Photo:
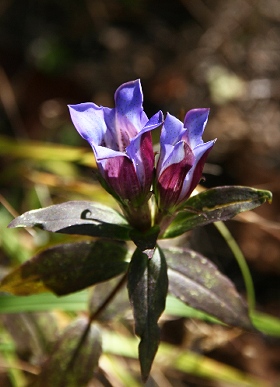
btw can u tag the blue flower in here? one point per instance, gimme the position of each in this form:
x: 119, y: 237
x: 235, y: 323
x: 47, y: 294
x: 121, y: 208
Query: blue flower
x: 182, y: 157
x: 122, y: 143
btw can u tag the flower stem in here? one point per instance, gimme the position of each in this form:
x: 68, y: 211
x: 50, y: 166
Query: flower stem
x: 138, y: 217
x: 107, y: 300
x: 163, y: 219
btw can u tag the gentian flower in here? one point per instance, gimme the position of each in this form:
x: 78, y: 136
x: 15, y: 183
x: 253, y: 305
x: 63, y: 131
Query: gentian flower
x: 122, y: 143
x: 182, y: 157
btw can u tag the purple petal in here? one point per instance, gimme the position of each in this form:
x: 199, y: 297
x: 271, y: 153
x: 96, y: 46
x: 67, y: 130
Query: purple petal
x: 120, y: 174
x: 110, y: 139
x: 124, y: 132
x: 200, y: 149
x: 195, y: 122
x: 88, y: 119
x: 172, y: 177
x: 102, y: 153
x: 141, y: 152
x: 154, y: 122
x: 171, y: 130
x: 129, y: 104
x: 174, y: 155
x: 192, y: 179
x: 165, y: 152
x: 170, y: 134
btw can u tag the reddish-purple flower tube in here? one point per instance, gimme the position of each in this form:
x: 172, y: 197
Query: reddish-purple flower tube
x: 182, y: 157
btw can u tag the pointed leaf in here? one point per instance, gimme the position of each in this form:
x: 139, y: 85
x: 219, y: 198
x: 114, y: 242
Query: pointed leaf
x: 60, y: 370
x: 147, y: 289
x: 221, y: 203
x: 67, y: 268
x: 77, y: 217
x: 197, y: 282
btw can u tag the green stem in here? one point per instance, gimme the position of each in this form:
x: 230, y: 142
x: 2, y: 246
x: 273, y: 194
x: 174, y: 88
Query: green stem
x: 138, y: 217
x: 224, y: 231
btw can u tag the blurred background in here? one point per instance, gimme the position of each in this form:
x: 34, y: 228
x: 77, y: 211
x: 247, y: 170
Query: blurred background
x: 222, y: 54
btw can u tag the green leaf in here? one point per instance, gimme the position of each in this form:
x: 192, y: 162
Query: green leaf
x: 67, y: 268
x: 60, y: 369
x: 78, y: 302
x: 77, y: 217
x: 197, y: 282
x: 265, y: 323
x: 175, y: 307
x: 147, y: 289
x: 43, y: 302
x: 221, y: 203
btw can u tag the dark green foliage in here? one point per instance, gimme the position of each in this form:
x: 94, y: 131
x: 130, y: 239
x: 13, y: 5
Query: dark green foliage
x: 67, y: 268
x: 147, y: 289
x: 215, y: 204
x: 197, y: 282
x: 77, y: 217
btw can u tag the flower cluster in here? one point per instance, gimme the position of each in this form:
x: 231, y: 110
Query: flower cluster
x: 122, y: 143
x: 153, y: 191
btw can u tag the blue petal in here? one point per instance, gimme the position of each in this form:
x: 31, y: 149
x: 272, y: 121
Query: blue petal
x: 102, y: 152
x: 143, y: 158
x: 193, y: 176
x: 170, y: 135
x: 134, y: 150
x: 110, y: 139
x: 119, y: 130
x: 171, y: 130
x: 202, y: 148
x: 174, y: 155
x: 129, y: 104
x: 165, y: 151
x: 171, y: 177
x: 125, y: 131
x: 154, y: 122
x: 88, y: 119
x: 195, y: 122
